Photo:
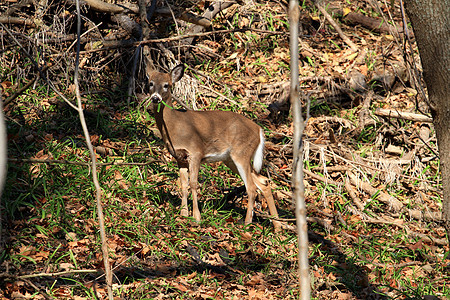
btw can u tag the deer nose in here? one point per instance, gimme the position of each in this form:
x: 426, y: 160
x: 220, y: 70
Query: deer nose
x: 156, y: 98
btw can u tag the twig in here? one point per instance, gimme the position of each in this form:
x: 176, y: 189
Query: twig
x: 211, y: 11
x: 336, y: 26
x: 201, y: 34
x: 57, y: 274
x: 18, y: 92
x: 80, y: 163
x: 397, y: 266
x: 317, y: 177
x: 39, y: 290
x: 131, y: 43
x: 412, y: 234
x: 17, y: 21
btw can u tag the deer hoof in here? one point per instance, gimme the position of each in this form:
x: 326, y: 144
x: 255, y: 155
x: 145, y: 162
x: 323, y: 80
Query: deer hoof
x: 197, y: 216
x: 184, y: 212
x: 277, y: 227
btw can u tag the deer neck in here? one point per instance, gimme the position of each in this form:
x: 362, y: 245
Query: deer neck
x: 161, y: 113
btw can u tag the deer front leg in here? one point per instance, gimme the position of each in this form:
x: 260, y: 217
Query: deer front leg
x: 194, y: 166
x: 184, y: 184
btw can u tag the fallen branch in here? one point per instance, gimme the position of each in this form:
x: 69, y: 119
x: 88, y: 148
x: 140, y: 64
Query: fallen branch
x: 411, y: 234
x: 185, y: 16
x: 39, y: 290
x: 212, y: 10
x: 364, y: 116
x: 101, y: 6
x: 17, y: 21
x: 336, y: 26
x: 403, y: 115
x: 347, y: 157
x: 317, y: 177
x: 374, y: 24
x: 383, y: 197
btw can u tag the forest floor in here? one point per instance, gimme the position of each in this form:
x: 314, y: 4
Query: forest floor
x: 371, y: 169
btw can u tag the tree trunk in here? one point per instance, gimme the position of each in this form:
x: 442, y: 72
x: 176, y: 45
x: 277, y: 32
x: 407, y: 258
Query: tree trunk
x: 431, y: 24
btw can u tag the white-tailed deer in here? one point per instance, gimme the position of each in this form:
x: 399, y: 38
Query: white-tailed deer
x: 196, y: 137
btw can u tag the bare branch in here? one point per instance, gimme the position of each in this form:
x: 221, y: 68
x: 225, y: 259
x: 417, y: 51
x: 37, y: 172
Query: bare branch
x: 336, y: 26
x: 80, y: 163
x: 101, y: 220
x: 297, y: 168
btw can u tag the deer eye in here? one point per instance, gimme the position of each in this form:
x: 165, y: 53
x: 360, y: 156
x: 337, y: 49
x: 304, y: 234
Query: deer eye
x: 151, y: 84
x: 166, y: 86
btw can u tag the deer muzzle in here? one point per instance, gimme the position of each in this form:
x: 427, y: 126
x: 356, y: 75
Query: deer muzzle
x: 156, y: 98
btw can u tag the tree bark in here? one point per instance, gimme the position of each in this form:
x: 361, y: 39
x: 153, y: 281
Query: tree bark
x: 431, y: 25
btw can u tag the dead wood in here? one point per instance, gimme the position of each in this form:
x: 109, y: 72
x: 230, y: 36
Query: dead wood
x: 353, y: 195
x: 323, y: 179
x: 383, y: 197
x: 336, y: 26
x: 326, y: 119
x: 412, y: 234
x: 365, y: 118
x: 348, y: 157
x: 101, y: 6
x: 212, y: 10
x: 16, y: 7
x: 185, y: 16
x: 332, y: 90
x: 123, y: 8
x: 425, y: 215
x: 17, y: 21
x: 128, y: 24
x: 373, y: 24
x: 403, y: 115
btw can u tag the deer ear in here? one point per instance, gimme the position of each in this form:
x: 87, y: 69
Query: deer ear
x: 177, y: 73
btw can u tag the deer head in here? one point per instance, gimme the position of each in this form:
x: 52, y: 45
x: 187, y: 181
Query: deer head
x: 160, y: 84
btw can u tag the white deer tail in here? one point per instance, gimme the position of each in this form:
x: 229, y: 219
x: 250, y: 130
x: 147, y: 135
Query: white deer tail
x: 258, y: 156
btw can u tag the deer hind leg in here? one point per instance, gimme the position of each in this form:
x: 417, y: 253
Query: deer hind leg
x: 245, y: 171
x: 264, y: 186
